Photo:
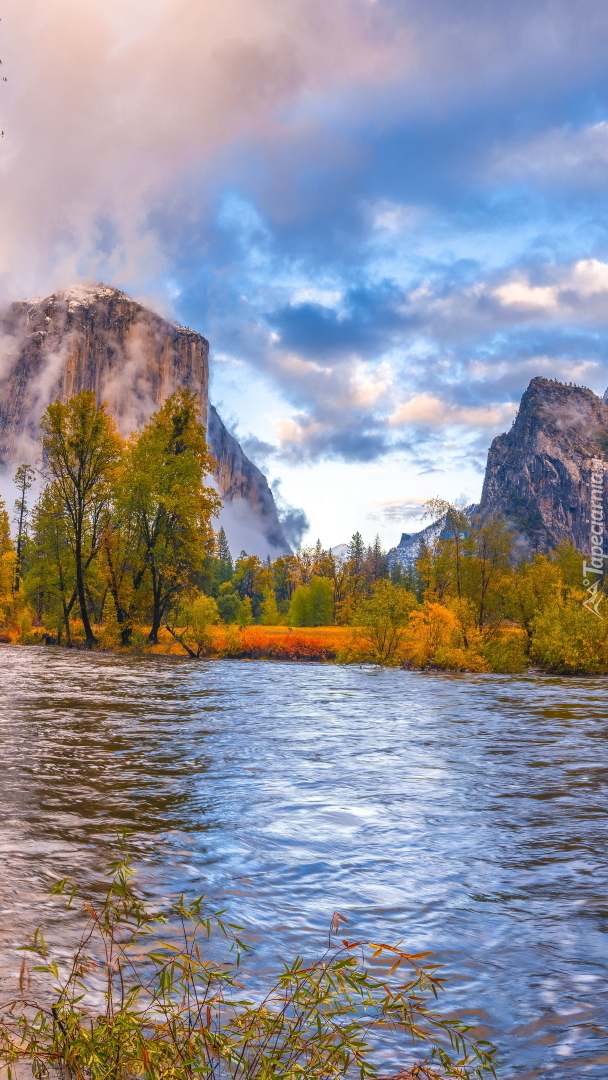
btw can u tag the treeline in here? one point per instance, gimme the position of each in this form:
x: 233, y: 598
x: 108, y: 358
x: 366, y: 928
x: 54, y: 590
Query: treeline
x: 120, y: 543
x: 121, y: 529
x: 468, y: 602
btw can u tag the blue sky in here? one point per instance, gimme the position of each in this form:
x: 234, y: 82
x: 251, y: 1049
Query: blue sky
x: 386, y: 217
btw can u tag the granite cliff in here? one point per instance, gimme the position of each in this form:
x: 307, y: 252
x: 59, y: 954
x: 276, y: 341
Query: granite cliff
x: 538, y: 473
x: 97, y: 338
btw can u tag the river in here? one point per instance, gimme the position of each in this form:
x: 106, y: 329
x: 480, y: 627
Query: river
x: 465, y: 814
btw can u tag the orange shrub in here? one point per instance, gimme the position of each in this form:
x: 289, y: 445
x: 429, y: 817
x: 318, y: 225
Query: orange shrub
x: 276, y: 642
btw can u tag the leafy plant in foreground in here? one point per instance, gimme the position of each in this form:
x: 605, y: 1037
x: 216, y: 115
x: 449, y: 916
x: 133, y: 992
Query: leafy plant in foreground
x: 130, y: 1005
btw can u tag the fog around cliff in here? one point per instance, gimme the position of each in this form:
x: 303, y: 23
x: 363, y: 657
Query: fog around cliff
x: 386, y: 216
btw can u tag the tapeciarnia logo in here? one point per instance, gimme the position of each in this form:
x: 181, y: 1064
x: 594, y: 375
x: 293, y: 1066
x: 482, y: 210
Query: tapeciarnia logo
x: 595, y: 566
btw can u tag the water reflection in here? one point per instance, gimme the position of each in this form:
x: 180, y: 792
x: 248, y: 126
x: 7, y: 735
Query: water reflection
x: 464, y: 813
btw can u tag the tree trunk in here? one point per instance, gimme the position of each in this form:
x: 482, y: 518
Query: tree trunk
x: 156, y: 616
x: 90, y: 638
x: 66, y: 620
x: 195, y: 656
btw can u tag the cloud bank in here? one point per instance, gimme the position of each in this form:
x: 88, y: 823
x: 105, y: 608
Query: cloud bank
x: 391, y: 215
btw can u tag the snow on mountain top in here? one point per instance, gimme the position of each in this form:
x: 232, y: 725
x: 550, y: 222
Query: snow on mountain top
x: 78, y: 295
x: 83, y: 294
x: 339, y: 551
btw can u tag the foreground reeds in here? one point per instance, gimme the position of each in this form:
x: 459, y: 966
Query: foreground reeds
x: 129, y: 1004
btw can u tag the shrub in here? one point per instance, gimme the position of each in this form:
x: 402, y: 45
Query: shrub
x: 506, y: 654
x: 382, y: 619
x: 430, y: 627
x: 195, y: 618
x: 569, y: 640
x: 255, y: 644
x: 172, y: 1010
x: 455, y: 658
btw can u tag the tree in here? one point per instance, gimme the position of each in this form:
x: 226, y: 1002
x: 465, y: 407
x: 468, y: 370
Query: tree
x: 313, y: 604
x: 50, y: 581
x: 7, y: 565
x: 568, y: 639
x: 350, y: 580
x: 269, y: 612
x: 169, y: 505
x: 355, y: 553
x: 530, y: 590
x: 223, y: 550
x: 229, y: 603
x: 225, y: 568
x: 81, y: 451
x: 485, y: 569
x: 376, y: 562
x: 195, y: 618
x: 454, y: 544
x: 383, y: 618
x: 23, y: 480
x: 252, y: 580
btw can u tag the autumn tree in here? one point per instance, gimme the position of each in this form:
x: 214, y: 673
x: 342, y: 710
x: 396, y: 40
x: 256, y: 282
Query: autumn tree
x: 168, y: 505
x: 383, y: 618
x: 194, y: 618
x: 485, y: 569
x: 252, y: 581
x: 452, y: 546
x: 7, y: 564
x: 269, y: 611
x: 81, y: 452
x: 532, y: 588
x: 50, y: 583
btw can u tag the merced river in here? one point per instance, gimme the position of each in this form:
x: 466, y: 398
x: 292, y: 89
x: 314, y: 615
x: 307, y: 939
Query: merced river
x: 464, y: 814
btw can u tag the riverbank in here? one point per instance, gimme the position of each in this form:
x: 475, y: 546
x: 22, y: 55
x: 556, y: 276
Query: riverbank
x: 321, y: 644
x: 434, y: 639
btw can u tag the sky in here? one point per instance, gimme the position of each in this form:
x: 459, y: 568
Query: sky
x: 386, y: 217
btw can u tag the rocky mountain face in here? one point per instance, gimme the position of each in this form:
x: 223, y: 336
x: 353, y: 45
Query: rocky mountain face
x: 538, y: 474
x: 96, y: 338
x: 408, y: 549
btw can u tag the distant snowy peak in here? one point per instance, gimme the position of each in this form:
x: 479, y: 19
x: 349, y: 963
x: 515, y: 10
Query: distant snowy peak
x: 408, y: 549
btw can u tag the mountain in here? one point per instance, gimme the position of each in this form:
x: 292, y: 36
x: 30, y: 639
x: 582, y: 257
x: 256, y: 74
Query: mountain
x: 538, y: 474
x: 408, y: 549
x: 97, y: 338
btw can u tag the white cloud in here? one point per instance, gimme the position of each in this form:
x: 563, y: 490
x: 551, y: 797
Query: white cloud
x: 574, y: 295
x: 520, y: 293
x: 426, y: 410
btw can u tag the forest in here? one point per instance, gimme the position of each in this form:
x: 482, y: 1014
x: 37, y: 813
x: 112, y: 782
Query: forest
x: 119, y: 550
